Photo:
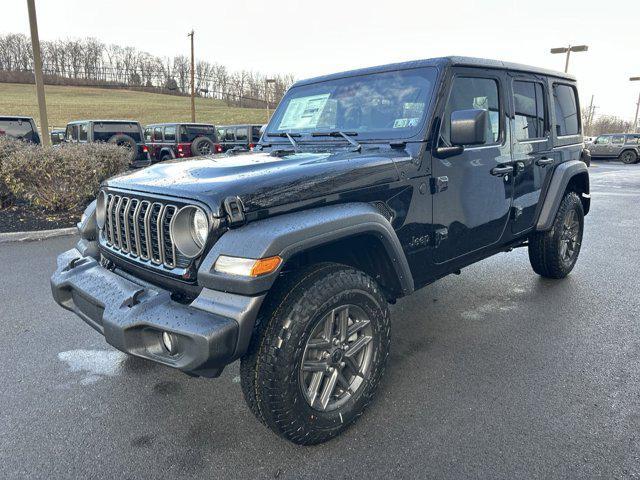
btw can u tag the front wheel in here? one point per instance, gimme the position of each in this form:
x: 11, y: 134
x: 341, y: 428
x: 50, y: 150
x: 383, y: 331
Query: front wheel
x: 319, y: 356
x: 554, y: 253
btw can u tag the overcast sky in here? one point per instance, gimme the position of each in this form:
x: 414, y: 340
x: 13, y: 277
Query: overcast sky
x: 309, y: 38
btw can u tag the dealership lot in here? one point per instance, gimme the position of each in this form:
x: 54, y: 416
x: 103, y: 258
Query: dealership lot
x: 495, y: 373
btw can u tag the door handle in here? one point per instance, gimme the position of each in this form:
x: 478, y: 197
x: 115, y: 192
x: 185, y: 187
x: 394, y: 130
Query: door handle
x: 544, y: 161
x: 501, y: 171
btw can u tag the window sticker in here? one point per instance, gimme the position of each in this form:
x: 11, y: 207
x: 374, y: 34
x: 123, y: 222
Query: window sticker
x: 304, y: 112
x: 406, y: 122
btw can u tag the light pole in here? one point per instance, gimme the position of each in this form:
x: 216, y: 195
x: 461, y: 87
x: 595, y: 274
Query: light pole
x: 37, y: 69
x: 568, y: 50
x: 193, y: 81
x: 267, y: 81
x: 635, y: 121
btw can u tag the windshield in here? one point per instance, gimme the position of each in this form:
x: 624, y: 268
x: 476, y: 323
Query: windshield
x: 17, y: 128
x: 378, y: 105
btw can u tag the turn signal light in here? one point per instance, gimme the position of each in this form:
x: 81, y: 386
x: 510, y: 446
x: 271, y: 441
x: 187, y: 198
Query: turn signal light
x: 247, y: 267
x: 265, y: 266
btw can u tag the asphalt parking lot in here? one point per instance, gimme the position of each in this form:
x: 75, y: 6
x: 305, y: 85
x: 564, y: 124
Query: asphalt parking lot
x: 495, y: 373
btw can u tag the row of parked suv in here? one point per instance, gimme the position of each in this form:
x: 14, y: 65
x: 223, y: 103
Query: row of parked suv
x: 157, y: 142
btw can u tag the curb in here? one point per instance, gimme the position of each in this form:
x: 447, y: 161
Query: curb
x: 37, y: 235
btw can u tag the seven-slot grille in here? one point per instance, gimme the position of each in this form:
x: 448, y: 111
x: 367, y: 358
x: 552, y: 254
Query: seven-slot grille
x: 140, y: 229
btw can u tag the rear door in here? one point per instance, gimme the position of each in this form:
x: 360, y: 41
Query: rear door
x: 473, y: 211
x: 616, y: 146
x: 533, y: 155
x: 600, y: 146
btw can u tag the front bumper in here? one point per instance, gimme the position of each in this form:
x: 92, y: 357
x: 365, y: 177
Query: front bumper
x: 211, y: 332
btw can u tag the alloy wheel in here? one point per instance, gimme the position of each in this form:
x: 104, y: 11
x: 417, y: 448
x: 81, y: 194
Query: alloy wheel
x: 337, y: 358
x: 570, y: 237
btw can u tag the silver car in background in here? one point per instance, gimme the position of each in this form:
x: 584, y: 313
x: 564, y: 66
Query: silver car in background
x: 623, y: 146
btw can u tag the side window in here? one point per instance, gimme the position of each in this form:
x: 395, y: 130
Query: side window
x: 242, y: 134
x: 72, y: 132
x: 84, y: 132
x: 633, y: 139
x: 255, y: 134
x: 148, y: 133
x: 170, y: 134
x: 528, y: 98
x: 157, y: 134
x: 566, y: 110
x: 230, y: 135
x: 602, y: 140
x: 469, y: 93
x: 617, y: 139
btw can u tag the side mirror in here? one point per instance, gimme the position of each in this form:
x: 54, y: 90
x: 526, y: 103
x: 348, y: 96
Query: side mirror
x: 468, y: 127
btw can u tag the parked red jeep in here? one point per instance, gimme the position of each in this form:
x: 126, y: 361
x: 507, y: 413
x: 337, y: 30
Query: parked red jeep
x: 181, y: 140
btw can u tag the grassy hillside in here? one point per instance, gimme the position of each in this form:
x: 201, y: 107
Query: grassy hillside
x: 75, y: 103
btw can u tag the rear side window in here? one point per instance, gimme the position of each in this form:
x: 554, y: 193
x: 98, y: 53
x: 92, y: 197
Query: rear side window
x: 242, y: 134
x: 617, y: 139
x: 470, y: 93
x: 103, y: 131
x: 230, y: 135
x: 633, y: 139
x: 529, y: 110
x: 157, y: 134
x: 566, y: 110
x: 84, y: 132
x: 170, y: 134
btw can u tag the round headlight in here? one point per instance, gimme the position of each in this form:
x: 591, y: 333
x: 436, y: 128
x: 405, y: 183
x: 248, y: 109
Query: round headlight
x: 199, y: 227
x: 189, y: 230
x: 101, y: 209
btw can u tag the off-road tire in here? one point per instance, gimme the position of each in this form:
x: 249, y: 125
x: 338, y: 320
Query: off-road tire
x: 165, y: 157
x: 127, y: 142
x: 270, y: 370
x: 545, y: 248
x: 202, y: 146
x: 628, y: 157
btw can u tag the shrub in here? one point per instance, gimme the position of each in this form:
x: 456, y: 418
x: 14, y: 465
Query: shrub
x: 62, y: 178
x: 8, y: 147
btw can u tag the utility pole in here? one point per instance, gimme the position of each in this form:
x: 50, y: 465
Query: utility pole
x: 267, y: 81
x: 568, y: 50
x: 635, y: 120
x: 589, y: 116
x: 193, y: 80
x: 37, y: 69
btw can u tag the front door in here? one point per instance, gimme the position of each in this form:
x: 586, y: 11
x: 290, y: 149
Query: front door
x: 533, y: 155
x: 473, y: 211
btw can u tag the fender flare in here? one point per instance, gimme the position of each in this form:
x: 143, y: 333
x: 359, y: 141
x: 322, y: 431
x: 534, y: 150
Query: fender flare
x: 289, y: 234
x: 167, y: 150
x: 561, y: 177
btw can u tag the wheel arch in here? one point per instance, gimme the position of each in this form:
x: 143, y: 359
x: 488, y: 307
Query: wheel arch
x: 168, y: 150
x: 568, y: 176
x: 354, y: 234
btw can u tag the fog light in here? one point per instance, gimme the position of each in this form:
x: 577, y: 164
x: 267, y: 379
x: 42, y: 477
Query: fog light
x: 170, y: 342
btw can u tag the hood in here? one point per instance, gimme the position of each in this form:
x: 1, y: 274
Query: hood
x: 261, y: 180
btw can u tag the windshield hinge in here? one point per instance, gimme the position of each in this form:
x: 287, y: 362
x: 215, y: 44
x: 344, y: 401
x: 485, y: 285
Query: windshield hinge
x: 235, y: 210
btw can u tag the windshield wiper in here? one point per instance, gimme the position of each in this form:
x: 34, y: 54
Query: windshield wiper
x: 289, y: 136
x: 338, y: 133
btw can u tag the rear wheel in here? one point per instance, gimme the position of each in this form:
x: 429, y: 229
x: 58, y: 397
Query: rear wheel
x: 628, y: 157
x: 125, y: 141
x: 554, y: 253
x: 317, y: 360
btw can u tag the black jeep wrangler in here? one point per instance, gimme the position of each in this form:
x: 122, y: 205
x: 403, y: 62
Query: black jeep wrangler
x: 367, y: 186
x: 125, y: 133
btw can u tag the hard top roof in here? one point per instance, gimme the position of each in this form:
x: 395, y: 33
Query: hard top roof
x: 104, y: 121
x: 15, y: 117
x: 165, y: 124
x: 441, y: 62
